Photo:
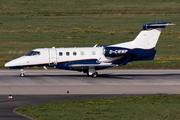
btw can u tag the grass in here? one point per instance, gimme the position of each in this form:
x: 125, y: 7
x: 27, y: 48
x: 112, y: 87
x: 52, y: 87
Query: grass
x: 26, y: 25
x: 60, y: 8
x: 158, y: 107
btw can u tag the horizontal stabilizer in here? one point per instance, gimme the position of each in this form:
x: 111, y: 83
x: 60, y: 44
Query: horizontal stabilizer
x: 156, y: 25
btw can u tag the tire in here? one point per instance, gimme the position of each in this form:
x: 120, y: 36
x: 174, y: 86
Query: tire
x: 94, y: 75
x: 22, y: 74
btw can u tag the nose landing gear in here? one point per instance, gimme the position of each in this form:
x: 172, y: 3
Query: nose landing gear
x: 22, y: 73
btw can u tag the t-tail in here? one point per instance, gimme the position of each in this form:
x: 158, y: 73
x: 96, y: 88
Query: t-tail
x: 142, y: 47
x: 147, y: 38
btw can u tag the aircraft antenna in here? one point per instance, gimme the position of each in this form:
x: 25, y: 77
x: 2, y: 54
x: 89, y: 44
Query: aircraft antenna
x: 95, y: 45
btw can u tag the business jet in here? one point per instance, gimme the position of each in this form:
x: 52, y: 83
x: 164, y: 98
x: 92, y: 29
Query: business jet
x: 90, y: 59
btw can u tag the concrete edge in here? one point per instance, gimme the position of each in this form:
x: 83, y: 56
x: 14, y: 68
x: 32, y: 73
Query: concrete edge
x: 16, y: 112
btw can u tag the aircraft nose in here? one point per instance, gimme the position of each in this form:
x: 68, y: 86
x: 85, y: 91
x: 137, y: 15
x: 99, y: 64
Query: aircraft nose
x: 15, y: 62
x: 10, y: 64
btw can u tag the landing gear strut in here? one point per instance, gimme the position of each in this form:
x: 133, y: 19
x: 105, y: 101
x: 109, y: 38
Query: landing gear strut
x: 92, y: 72
x: 22, y: 73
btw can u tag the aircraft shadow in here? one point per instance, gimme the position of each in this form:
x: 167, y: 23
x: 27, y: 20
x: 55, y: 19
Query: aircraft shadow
x: 111, y: 76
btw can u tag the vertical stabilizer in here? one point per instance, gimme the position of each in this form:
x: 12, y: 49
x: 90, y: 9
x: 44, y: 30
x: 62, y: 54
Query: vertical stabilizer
x: 147, y: 38
x: 149, y: 35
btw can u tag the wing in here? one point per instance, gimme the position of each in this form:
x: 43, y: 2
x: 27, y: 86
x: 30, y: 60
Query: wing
x: 94, y: 65
x: 85, y: 67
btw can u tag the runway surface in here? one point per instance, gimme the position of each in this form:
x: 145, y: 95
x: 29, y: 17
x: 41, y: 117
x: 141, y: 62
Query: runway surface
x: 40, y: 86
x: 108, y: 82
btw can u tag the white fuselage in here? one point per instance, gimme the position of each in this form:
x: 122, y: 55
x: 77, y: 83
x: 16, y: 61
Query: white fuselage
x: 53, y: 56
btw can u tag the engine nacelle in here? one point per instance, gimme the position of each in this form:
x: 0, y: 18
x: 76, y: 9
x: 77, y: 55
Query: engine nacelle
x: 114, y: 51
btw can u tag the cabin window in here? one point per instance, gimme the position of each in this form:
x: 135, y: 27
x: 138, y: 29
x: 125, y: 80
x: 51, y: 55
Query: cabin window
x: 67, y: 53
x: 32, y: 53
x: 82, y: 52
x: 93, y: 53
x: 60, y: 53
x: 74, y: 53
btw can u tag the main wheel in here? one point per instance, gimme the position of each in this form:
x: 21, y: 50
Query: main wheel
x: 22, y: 74
x: 94, y: 75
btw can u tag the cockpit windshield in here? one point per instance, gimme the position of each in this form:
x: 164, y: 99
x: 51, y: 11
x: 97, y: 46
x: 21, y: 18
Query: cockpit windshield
x: 32, y: 53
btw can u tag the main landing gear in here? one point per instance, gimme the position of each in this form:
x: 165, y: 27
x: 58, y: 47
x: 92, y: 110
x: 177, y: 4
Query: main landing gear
x: 92, y: 72
x: 22, y: 73
x: 94, y: 75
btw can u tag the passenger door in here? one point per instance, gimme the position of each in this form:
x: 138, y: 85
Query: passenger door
x: 52, y: 57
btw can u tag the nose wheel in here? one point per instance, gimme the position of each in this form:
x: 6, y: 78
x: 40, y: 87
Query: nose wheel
x: 22, y: 73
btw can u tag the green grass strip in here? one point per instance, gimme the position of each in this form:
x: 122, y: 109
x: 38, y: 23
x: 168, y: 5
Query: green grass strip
x: 158, y: 107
